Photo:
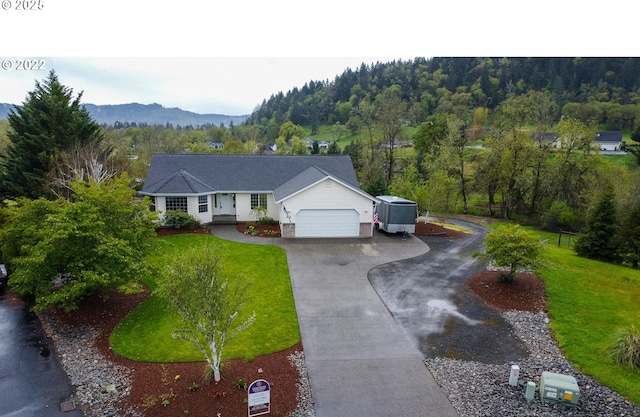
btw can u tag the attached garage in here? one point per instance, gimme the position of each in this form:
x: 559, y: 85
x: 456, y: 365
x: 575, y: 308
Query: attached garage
x: 327, y: 223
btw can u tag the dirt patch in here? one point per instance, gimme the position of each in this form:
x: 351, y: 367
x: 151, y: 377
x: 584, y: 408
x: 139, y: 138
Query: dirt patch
x: 154, y: 383
x: 430, y: 229
x: 527, y: 293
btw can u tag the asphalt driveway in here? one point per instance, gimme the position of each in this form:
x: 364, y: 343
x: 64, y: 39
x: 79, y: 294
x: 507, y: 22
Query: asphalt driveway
x: 427, y: 295
x: 32, y: 382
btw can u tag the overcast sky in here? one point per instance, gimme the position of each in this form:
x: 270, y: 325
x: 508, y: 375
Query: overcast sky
x: 232, y: 85
x: 226, y: 57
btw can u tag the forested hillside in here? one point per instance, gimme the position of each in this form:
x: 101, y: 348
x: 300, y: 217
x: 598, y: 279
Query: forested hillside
x: 604, y: 90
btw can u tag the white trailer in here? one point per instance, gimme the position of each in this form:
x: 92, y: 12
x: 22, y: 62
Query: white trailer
x: 396, y: 215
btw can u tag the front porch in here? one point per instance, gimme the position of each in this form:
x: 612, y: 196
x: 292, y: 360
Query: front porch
x: 224, y: 219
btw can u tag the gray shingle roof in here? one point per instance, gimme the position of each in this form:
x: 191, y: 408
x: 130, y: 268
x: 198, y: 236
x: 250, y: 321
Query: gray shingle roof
x: 202, y: 173
x: 613, y: 136
x: 180, y: 182
x: 303, y: 180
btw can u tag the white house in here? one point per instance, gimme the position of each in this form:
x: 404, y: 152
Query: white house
x: 609, y: 141
x: 309, y: 195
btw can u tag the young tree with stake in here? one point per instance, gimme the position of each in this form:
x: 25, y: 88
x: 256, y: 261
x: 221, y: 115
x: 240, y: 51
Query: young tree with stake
x: 208, y: 302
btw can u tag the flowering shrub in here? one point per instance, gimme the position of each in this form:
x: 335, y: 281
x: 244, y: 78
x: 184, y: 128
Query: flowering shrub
x: 251, y: 230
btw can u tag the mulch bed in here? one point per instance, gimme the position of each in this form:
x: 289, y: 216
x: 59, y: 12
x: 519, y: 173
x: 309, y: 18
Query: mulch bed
x: 526, y: 293
x: 430, y: 229
x: 155, y: 382
x: 260, y: 229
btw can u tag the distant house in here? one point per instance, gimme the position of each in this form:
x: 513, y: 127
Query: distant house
x: 309, y: 195
x: 609, y: 141
x: 215, y: 145
x: 323, y: 145
x: 550, y: 139
x: 397, y: 144
x: 308, y: 142
x: 604, y: 141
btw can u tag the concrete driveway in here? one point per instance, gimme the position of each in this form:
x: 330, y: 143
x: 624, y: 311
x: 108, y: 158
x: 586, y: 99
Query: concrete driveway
x: 359, y: 359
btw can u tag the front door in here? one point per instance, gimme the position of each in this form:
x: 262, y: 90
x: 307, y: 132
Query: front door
x: 226, y: 203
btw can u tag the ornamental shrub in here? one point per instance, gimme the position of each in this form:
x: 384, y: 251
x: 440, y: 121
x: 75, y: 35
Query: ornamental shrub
x: 626, y: 348
x: 178, y: 219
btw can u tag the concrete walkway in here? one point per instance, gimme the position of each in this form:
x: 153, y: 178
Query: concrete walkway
x: 359, y: 361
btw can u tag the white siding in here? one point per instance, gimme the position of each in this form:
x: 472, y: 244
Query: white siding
x: 243, y: 207
x: 608, y: 146
x: 192, y: 208
x: 329, y: 194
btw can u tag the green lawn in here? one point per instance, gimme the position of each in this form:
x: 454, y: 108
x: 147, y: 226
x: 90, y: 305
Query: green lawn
x: 587, y: 302
x: 145, y: 334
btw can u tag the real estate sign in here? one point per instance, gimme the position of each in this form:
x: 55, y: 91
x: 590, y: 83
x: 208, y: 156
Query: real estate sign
x: 259, y: 398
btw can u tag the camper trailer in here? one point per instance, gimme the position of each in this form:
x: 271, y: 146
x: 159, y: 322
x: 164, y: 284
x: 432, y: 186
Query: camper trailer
x: 396, y: 215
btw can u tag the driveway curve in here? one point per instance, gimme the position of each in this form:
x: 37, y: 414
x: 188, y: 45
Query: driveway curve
x: 359, y: 360
x: 427, y: 295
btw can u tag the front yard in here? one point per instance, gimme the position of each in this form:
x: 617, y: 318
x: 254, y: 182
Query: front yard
x: 145, y: 334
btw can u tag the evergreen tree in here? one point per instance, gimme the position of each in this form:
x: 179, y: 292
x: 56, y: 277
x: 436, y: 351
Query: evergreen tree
x: 599, y: 240
x: 333, y: 149
x: 315, y: 148
x: 50, y: 120
x: 630, y: 237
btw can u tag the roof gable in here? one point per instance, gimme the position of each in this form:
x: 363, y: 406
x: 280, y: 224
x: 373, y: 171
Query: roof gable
x: 305, y: 179
x: 180, y: 182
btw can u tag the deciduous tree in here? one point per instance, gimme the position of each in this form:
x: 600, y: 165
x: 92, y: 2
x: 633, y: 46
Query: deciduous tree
x: 208, y: 301
x: 64, y: 250
x: 390, y: 116
x: 511, y: 246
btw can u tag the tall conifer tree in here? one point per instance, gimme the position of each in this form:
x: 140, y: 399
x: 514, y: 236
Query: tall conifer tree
x: 598, y: 242
x: 49, y: 120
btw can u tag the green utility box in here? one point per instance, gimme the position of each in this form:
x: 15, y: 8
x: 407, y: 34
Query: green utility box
x: 559, y: 389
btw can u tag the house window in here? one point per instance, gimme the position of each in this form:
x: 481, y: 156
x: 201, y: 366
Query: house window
x: 177, y: 203
x: 215, y: 200
x: 203, y: 204
x: 258, y: 200
x: 152, y: 207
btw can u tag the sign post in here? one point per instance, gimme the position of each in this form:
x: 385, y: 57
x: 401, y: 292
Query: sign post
x: 259, y: 398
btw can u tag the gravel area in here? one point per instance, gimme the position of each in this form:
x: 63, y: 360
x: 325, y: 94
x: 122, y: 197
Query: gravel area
x: 305, y: 400
x: 478, y: 389
x: 99, y: 384
x: 90, y: 373
x: 474, y: 388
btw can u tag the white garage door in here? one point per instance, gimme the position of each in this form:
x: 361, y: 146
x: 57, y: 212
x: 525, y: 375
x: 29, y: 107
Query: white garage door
x: 327, y: 223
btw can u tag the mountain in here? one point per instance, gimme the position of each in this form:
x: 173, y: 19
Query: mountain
x: 150, y: 114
